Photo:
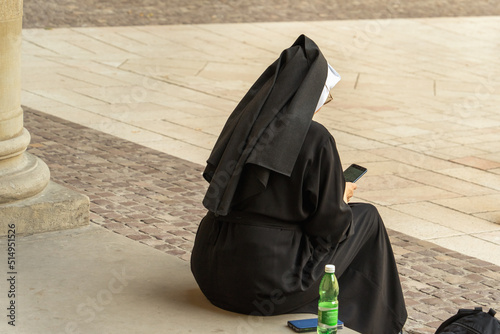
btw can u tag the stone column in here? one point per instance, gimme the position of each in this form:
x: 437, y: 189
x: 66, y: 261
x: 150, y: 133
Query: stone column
x: 21, y: 175
x: 27, y: 196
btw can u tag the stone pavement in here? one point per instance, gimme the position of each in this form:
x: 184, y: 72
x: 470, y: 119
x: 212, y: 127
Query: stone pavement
x: 139, y: 108
x: 422, y: 116
x: 84, y: 13
x: 153, y: 198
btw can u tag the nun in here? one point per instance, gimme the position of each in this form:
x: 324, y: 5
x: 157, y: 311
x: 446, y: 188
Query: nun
x: 278, y: 208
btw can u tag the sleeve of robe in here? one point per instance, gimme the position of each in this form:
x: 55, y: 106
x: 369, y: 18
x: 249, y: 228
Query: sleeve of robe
x: 330, y: 221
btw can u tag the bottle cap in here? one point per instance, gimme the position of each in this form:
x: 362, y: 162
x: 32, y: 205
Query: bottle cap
x: 330, y: 269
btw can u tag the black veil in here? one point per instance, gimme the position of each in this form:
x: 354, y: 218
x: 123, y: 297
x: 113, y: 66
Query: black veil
x: 268, y: 126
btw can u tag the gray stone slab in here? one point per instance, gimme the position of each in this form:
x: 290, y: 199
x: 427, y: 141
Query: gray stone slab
x: 55, y: 208
x: 91, y: 280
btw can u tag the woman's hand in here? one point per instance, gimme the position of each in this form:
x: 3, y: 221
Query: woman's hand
x: 349, y: 191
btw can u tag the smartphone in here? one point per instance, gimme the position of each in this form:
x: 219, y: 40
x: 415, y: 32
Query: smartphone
x: 308, y: 325
x: 354, y: 172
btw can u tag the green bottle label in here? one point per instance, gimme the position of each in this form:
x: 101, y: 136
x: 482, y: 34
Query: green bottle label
x: 328, y: 316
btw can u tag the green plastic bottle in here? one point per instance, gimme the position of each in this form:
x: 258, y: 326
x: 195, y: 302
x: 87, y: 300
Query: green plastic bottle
x: 328, y: 305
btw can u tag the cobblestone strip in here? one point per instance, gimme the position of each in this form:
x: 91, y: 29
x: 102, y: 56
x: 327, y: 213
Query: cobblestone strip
x: 143, y: 194
x: 83, y: 13
x: 155, y: 199
x: 437, y: 282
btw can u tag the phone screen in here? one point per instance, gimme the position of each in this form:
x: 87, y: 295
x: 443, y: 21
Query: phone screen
x: 354, y: 172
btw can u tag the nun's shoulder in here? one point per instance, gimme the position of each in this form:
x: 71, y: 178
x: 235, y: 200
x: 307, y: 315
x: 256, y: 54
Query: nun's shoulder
x: 318, y: 133
x: 318, y: 139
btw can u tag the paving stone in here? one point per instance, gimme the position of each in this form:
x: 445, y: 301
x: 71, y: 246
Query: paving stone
x: 176, y: 252
x: 435, y: 324
x: 112, y: 226
x: 138, y: 215
x: 431, y: 301
x: 478, y: 162
x: 150, y: 230
x: 151, y: 242
x: 138, y: 236
x: 423, y: 313
x: 152, y: 221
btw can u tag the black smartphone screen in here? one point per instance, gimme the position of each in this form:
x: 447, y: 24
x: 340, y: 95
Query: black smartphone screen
x: 354, y: 172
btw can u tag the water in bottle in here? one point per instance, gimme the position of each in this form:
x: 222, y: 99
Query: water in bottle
x: 328, y: 305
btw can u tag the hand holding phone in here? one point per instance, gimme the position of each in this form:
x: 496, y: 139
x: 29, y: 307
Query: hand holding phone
x: 354, y: 173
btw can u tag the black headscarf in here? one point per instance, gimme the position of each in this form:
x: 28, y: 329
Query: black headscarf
x: 268, y: 126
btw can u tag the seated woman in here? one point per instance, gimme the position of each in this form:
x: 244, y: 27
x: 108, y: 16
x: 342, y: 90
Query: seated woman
x: 278, y: 208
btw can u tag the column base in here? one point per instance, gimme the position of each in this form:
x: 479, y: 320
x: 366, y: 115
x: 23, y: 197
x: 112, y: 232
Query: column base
x: 22, y: 177
x: 55, y: 208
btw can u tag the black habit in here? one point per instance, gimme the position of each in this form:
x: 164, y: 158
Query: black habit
x: 263, y: 245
